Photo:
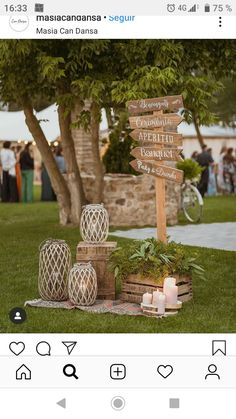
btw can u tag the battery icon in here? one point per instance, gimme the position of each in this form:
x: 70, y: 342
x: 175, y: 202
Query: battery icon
x: 207, y: 8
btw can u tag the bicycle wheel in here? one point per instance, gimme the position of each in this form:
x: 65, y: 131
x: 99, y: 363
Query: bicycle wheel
x: 192, y: 203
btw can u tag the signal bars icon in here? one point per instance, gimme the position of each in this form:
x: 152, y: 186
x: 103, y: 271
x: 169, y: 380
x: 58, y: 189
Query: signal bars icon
x: 193, y: 9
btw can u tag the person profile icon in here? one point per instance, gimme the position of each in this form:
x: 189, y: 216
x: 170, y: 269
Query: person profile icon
x: 212, y: 372
x: 18, y: 316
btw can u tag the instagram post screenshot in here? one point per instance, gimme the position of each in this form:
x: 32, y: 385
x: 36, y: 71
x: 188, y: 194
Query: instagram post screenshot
x: 117, y: 209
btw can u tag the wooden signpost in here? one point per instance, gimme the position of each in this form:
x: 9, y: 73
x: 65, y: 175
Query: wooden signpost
x: 155, y: 121
x: 152, y: 153
x: 158, y: 170
x: 154, y: 137
x: 159, y: 143
x: 171, y: 103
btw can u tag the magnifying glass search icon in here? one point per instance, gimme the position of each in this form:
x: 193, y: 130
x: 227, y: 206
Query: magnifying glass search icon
x: 69, y: 370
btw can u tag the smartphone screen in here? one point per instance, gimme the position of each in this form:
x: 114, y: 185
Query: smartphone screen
x: 117, y: 209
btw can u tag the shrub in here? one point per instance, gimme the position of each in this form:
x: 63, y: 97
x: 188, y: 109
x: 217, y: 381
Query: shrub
x: 117, y: 157
x: 192, y: 170
x: 154, y: 259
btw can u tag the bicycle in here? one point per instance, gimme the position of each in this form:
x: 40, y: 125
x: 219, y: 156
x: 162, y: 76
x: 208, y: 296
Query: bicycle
x: 191, y: 202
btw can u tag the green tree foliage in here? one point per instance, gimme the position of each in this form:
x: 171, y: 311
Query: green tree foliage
x: 191, y: 68
x: 225, y: 104
x: 117, y: 156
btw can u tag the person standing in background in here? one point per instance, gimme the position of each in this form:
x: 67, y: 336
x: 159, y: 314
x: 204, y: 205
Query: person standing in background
x: 205, y: 160
x: 229, y: 170
x: 18, y: 171
x: 220, y: 174
x: 211, y: 189
x: 60, y: 160
x: 8, y: 165
x: 27, y: 173
x: 194, y: 155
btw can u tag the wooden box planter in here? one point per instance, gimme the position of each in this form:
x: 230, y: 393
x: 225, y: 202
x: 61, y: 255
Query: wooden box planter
x: 99, y: 255
x: 134, y: 286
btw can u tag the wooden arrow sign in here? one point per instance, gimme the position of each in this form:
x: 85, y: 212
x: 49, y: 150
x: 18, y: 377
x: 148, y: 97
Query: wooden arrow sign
x: 151, y: 153
x: 173, y: 103
x: 155, y: 121
x: 146, y: 136
x: 158, y: 170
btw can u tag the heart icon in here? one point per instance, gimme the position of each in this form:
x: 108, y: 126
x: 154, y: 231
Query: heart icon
x: 165, y: 370
x: 17, y: 347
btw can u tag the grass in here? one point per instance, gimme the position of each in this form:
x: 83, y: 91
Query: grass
x: 23, y: 227
x: 217, y: 209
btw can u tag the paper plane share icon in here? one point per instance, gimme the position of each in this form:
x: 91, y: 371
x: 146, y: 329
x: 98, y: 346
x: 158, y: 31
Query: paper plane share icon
x: 70, y: 345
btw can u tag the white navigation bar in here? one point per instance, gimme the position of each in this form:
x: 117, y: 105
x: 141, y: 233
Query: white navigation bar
x: 117, y: 372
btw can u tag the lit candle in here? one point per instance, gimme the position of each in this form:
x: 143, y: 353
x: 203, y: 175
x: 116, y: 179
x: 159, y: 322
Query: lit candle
x: 168, y: 282
x: 147, y: 298
x: 161, y: 304
x: 171, y: 294
x: 155, y: 297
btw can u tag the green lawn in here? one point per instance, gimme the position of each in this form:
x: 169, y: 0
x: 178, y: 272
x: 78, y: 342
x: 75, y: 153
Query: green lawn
x: 23, y: 227
x: 217, y: 209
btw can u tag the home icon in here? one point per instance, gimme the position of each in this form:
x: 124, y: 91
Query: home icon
x: 23, y: 373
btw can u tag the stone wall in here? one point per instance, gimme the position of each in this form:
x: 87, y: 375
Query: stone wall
x: 130, y: 200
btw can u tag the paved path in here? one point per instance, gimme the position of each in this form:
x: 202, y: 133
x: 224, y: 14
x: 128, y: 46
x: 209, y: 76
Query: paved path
x: 216, y: 235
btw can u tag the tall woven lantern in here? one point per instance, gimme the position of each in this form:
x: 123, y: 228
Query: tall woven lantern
x: 94, y: 224
x: 83, y: 284
x: 54, y: 268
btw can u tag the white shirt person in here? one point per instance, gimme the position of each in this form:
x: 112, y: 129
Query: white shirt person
x: 9, y: 192
x: 8, y: 161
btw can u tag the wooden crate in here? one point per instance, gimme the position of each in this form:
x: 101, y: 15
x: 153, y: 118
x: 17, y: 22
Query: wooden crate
x: 135, y: 286
x: 99, y: 255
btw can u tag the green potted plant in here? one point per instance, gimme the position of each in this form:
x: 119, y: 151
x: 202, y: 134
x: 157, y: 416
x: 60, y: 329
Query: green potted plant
x: 192, y: 170
x: 142, y: 267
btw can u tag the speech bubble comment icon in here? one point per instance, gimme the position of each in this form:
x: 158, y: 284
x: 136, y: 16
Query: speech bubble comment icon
x: 43, y: 349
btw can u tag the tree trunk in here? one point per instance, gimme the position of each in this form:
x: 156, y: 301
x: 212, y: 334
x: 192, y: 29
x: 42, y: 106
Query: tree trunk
x: 199, y: 135
x: 58, y: 182
x: 98, y: 166
x: 74, y: 180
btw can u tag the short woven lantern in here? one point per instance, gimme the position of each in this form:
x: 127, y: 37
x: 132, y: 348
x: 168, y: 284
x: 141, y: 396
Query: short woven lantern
x: 94, y: 224
x: 83, y: 284
x: 54, y: 268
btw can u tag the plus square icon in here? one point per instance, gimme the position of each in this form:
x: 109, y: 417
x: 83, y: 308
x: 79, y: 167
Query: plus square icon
x: 118, y: 371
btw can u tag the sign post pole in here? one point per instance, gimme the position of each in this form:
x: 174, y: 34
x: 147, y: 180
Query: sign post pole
x: 161, y: 204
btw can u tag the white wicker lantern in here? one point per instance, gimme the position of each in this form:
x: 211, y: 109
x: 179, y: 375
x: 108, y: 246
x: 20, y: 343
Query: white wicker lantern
x: 83, y: 284
x: 54, y: 268
x: 94, y: 224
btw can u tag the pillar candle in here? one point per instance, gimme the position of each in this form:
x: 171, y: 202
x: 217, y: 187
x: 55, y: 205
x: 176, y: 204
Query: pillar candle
x: 169, y: 281
x: 155, y: 297
x: 171, y: 293
x: 161, y: 304
x: 147, y: 298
